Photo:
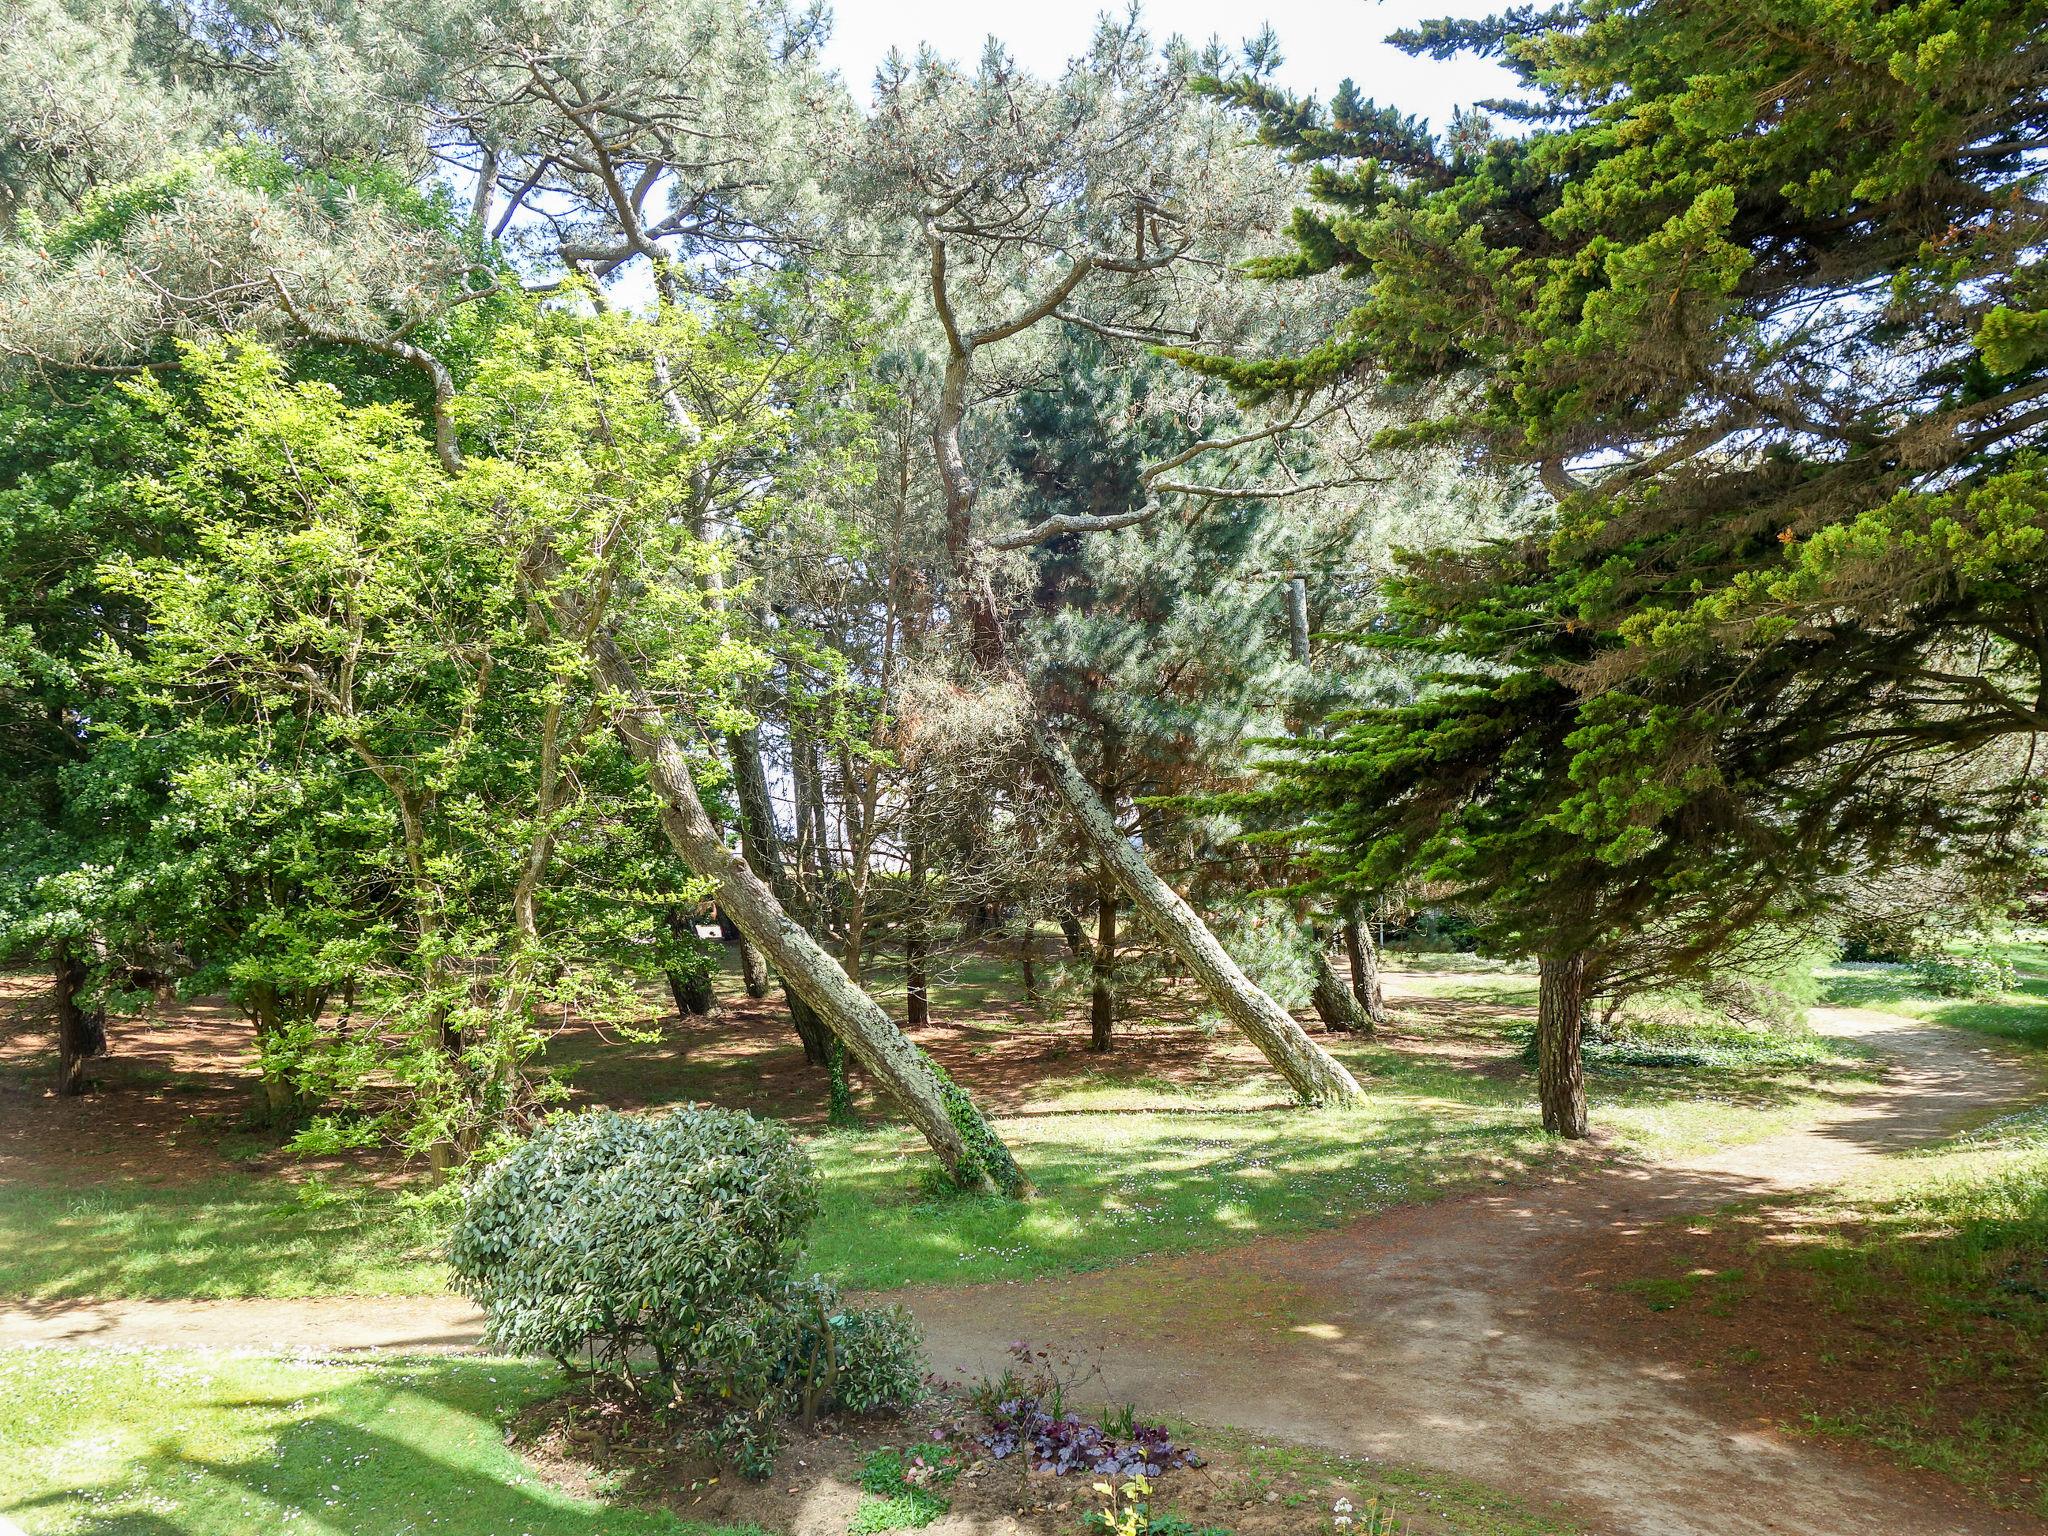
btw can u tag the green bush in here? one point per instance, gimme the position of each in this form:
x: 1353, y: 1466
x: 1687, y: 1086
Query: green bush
x: 1965, y: 975
x: 623, y: 1241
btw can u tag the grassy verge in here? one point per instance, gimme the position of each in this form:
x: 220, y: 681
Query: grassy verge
x: 165, y: 1443
x: 1944, y: 1267
x: 1311, y: 1481
x: 1124, y: 1167
x: 1909, y: 1311
x: 2020, y: 1016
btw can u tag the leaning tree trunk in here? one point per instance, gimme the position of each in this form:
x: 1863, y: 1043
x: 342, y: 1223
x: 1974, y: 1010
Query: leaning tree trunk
x: 1315, y: 1075
x: 1364, y: 956
x: 1335, y: 1003
x: 81, y: 1031
x: 1560, y: 1022
x: 965, y: 1143
x: 762, y: 846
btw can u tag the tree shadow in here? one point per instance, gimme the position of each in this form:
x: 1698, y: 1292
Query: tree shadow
x: 409, y: 1447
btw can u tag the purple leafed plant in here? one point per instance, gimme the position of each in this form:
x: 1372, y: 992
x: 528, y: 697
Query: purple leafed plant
x: 1063, y: 1443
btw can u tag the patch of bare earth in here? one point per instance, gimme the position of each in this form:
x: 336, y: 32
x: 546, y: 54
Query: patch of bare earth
x: 1730, y: 1302
x: 591, y: 1447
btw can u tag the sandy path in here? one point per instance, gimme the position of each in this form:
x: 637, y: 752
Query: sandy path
x: 1454, y: 1336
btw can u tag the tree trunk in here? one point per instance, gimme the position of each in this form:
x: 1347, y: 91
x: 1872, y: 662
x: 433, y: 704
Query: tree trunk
x: 1027, y: 969
x: 1364, y: 956
x: 692, y: 993
x: 753, y: 968
x: 692, y: 990
x: 1102, y: 970
x: 1072, y: 931
x: 1314, y: 1074
x: 964, y: 1142
x: 81, y: 1031
x: 917, y: 1009
x: 1560, y: 1021
x: 761, y: 844
x: 1336, y: 1005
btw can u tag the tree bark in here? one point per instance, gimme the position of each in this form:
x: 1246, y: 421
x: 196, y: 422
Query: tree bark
x: 1102, y: 968
x: 81, y: 1031
x: 966, y: 1145
x: 1313, y: 1073
x: 1364, y: 956
x: 1560, y: 1023
x: 1072, y: 931
x: 753, y: 968
x: 1335, y: 1003
x: 917, y: 1008
x: 692, y: 990
x: 761, y: 844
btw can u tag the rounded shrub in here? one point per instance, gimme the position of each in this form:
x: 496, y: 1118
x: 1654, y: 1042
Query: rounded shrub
x: 661, y: 1249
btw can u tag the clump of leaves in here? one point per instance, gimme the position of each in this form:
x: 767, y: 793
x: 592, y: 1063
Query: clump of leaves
x: 1025, y: 1410
x: 609, y: 1239
x: 901, y: 1490
x: 1965, y: 975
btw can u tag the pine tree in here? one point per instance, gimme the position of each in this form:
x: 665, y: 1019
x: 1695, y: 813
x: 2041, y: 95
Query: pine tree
x: 1753, y: 292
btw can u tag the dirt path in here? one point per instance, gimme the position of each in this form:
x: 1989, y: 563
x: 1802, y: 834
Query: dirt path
x: 1472, y: 1336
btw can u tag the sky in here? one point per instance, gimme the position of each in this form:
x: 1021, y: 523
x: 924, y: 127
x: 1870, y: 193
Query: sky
x: 1322, y: 40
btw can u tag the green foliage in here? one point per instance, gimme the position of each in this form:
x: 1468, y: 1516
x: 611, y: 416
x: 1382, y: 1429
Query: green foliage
x: 616, y: 1233
x: 902, y: 1492
x: 606, y: 1235
x: 1969, y: 976
x: 1764, y: 644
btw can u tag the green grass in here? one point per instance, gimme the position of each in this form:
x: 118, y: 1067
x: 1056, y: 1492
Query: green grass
x: 168, y: 1443
x: 1123, y: 1167
x: 238, y: 1234
x: 1453, y: 1505
x: 1946, y: 1256
x: 2020, y: 1016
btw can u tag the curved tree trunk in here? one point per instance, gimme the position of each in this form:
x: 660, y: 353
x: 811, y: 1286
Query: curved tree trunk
x: 965, y: 1143
x: 1364, y: 956
x: 1315, y: 1075
x: 1560, y: 1024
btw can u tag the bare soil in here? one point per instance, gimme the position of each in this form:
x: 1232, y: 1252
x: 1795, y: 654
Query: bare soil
x: 589, y: 1447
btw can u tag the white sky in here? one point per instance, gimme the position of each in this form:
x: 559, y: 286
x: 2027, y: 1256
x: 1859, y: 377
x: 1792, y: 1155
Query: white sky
x: 1323, y: 40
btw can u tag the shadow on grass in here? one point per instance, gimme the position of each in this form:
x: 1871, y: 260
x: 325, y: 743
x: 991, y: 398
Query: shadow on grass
x: 2020, y: 1016
x: 232, y: 1235
x: 251, y: 1447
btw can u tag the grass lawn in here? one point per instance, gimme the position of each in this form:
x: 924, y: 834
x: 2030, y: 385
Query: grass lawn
x: 157, y: 1442
x: 1944, y: 1261
x: 234, y: 1234
x: 1124, y: 1167
x: 1909, y: 1310
x: 2020, y: 1016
